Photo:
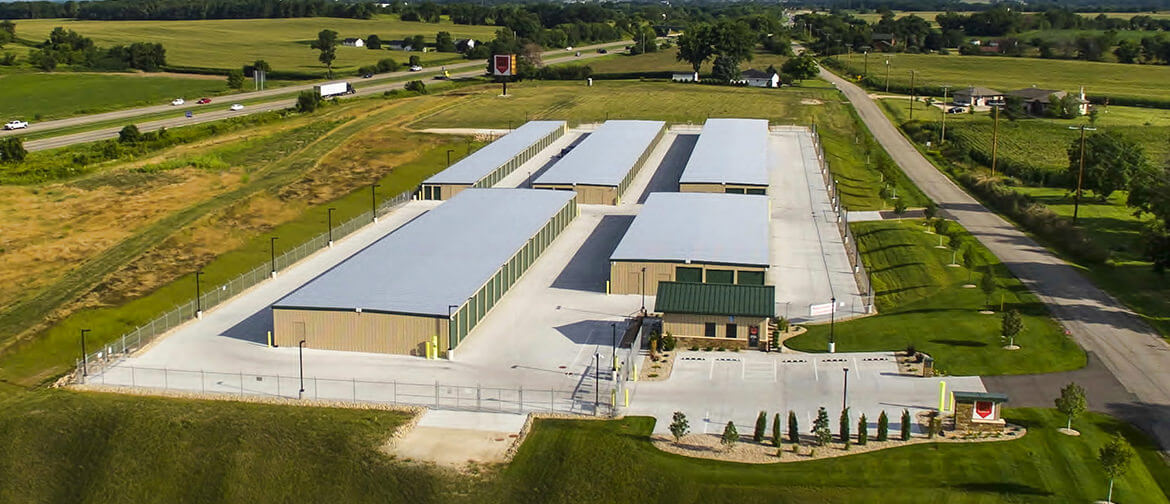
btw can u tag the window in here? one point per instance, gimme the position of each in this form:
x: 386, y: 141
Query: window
x: 721, y: 276
x: 749, y: 277
x: 756, y: 191
x: 733, y: 190
x: 685, y: 274
x: 732, y: 331
x: 709, y: 330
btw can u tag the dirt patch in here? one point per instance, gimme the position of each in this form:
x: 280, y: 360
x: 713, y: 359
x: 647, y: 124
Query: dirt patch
x: 460, y: 449
x: 656, y: 370
x: 811, y: 101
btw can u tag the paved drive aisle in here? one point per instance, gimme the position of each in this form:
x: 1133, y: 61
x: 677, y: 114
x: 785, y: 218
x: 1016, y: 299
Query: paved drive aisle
x: 1128, y: 348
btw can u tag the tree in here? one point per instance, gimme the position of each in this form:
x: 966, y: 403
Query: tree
x: 725, y: 69
x: 800, y: 68
x: 1128, y: 51
x: 843, y: 427
x: 820, y: 428
x: 1071, y: 402
x: 988, y: 284
x: 730, y: 435
x: 387, y: 65
x: 130, y: 135
x: 417, y: 42
x: 444, y: 42
x: 862, y: 430
x: 373, y: 42
x: 1012, y: 325
x: 883, y: 431
x: 679, y: 426
x: 694, y: 45
x: 308, y: 101
x: 12, y: 150
x: 1112, y: 162
x: 414, y: 60
x: 793, y: 428
x: 761, y: 427
x: 416, y: 86
x: 235, y: 78
x: 326, y: 43
x: 905, y: 425
x: 970, y: 261
x: 930, y: 211
x: 1114, y: 458
x: 1150, y: 194
x: 261, y: 65
x: 776, y: 439
x: 7, y: 32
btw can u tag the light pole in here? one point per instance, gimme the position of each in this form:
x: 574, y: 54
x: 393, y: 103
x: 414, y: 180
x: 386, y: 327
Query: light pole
x: 832, y: 322
x: 330, y: 211
x: 84, y: 357
x: 596, y: 382
x: 198, y: 296
x: 272, y: 249
x: 994, y: 138
x: 865, y: 72
x: 374, y: 200
x: 449, y: 151
x: 845, y: 392
x: 643, y: 291
x: 912, y: 72
x: 614, y: 327
x: 1080, y: 172
x: 943, y: 136
x: 887, y: 76
x: 301, y: 356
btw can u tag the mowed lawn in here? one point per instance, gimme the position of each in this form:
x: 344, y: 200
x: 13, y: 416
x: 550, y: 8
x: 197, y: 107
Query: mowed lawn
x: 51, y: 95
x: 284, y: 43
x: 922, y: 302
x: 1006, y: 74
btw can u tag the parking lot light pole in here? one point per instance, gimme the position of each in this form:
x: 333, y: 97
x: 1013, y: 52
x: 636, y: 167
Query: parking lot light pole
x: 84, y: 357
x: 374, y: 200
x: 832, y: 322
x: 845, y: 392
x: 330, y: 210
x: 449, y: 151
x: 301, y: 357
x: 272, y: 249
x: 198, y: 296
x: 643, y: 291
x: 596, y: 382
x: 614, y: 326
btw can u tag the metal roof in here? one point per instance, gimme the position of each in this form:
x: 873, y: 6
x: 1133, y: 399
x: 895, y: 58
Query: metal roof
x: 980, y: 396
x: 606, y: 156
x: 482, y: 162
x: 436, y: 260
x: 729, y: 151
x: 716, y: 299
x: 699, y: 227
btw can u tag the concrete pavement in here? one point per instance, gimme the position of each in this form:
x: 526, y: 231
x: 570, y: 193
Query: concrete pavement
x: 1128, y: 348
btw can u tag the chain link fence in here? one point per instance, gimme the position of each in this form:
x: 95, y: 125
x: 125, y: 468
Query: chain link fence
x: 842, y: 220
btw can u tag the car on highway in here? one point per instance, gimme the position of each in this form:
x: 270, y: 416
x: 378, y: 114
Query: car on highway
x: 12, y: 125
x: 178, y: 101
x: 204, y: 101
x: 956, y: 110
x: 367, y: 76
x: 237, y: 107
x: 602, y: 51
x: 415, y: 68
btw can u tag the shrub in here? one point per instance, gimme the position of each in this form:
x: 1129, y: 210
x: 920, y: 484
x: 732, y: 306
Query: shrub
x: 843, y: 428
x: 883, y: 430
x: 679, y: 426
x: 669, y: 343
x: 235, y: 78
x: 417, y: 86
x: 862, y: 430
x: 793, y: 429
x: 821, y: 428
x: 730, y: 435
x: 566, y: 72
x: 130, y: 135
x: 367, y: 69
x: 761, y: 427
x: 776, y: 439
x: 934, y: 425
x: 387, y: 65
x: 905, y: 425
x: 308, y: 101
x: 12, y: 150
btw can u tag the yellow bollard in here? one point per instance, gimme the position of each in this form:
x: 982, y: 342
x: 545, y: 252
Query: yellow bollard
x: 428, y: 350
x: 627, y: 398
x: 952, y: 408
x: 613, y: 398
x: 942, y: 395
x: 269, y: 339
x: 635, y: 372
x: 607, y: 287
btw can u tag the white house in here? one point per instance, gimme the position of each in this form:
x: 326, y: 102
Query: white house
x: 757, y: 78
x: 353, y: 42
x: 685, y: 77
x: 464, y: 45
x: 398, y: 45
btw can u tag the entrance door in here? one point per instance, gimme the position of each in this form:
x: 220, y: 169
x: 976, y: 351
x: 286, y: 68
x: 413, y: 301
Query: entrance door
x: 753, y: 336
x: 732, y: 329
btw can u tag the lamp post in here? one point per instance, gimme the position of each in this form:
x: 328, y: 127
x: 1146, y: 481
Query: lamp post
x: 330, y: 211
x: 374, y: 200
x: 596, y: 382
x: 943, y: 136
x: 994, y: 138
x: 832, y: 322
x: 845, y: 392
x: 865, y: 72
x: 449, y: 151
x: 198, y: 296
x: 84, y: 357
x: 887, y: 76
x: 272, y: 250
x: 614, y: 327
x: 1080, y: 172
x: 301, y: 356
x: 912, y: 73
x: 643, y: 291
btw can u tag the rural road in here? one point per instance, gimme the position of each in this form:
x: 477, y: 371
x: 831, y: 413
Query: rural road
x: 1128, y: 348
x: 218, y: 110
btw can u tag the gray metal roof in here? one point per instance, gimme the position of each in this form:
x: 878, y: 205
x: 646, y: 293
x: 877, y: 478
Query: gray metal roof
x: 606, y: 156
x: 698, y: 227
x: 480, y: 163
x: 729, y: 151
x: 438, y: 259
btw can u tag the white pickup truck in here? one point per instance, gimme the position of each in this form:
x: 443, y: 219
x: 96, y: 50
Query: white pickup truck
x: 12, y: 125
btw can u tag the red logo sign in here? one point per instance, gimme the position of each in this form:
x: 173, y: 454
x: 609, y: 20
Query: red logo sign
x: 502, y: 64
x: 983, y: 409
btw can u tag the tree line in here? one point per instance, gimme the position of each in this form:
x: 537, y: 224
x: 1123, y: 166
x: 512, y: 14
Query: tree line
x: 186, y: 9
x: 71, y: 48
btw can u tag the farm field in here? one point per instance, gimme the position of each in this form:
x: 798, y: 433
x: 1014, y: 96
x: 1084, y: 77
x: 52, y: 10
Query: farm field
x: 1112, y: 80
x: 665, y: 61
x: 284, y: 43
x: 917, y: 289
x: 37, y: 96
x: 873, y: 17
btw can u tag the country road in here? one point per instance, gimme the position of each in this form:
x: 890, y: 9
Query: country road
x: 1128, y: 348
x: 218, y: 110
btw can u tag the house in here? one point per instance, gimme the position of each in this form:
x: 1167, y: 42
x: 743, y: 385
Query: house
x: 353, y: 42
x: 758, y: 78
x: 1036, y: 100
x: 685, y: 77
x: 464, y: 45
x: 976, y: 96
x: 883, y: 40
x: 398, y: 45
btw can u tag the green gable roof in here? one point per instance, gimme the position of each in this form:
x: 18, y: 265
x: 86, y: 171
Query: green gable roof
x: 716, y: 299
x: 980, y: 396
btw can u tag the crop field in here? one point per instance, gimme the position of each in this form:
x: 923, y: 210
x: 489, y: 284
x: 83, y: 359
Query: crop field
x: 873, y: 17
x: 36, y: 96
x: 284, y: 43
x: 1115, y: 80
x: 665, y: 61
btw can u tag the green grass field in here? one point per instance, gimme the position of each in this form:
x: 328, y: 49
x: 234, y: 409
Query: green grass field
x: 921, y: 301
x: 38, y: 96
x: 284, y: 43
x: 1007, y: 74
x: 665, y: 61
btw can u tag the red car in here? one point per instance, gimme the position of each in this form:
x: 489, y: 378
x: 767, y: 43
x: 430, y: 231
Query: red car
x: 204, y: 101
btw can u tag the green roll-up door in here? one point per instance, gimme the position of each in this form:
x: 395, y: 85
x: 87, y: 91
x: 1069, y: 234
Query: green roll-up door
x: 749, y: 277
x: 684, y: 274
x: 755, y: 191
x: 721, y: 276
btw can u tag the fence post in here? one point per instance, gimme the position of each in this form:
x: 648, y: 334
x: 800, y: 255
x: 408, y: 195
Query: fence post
x: 166, y: 381
x: 521, y: 410
x: 436, y: 393
x: 477, y: 397
x: 241, y: 384
x: 202, y: 382
x: 354, y: 380
x: 314, y: 388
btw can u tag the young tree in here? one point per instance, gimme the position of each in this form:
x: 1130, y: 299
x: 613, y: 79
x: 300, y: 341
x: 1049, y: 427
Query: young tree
x: 820, y: 428
x: 694, y: 45
x: 1114, y: 458
x: 1112, y: 162
x: 761, y: 427
x: 905, y: 425
x: 862, y: 430
x: 417, y: 86
x: 730, y: 435
x: 988, y: 284
x: 261, y: 65
x: 326, y: 43
x: 373, y: 42
x: 12, y: 150
x: 1012, y: 325
x: 970, y: 262
x: 793, y: 428
x: 776, y: 439
x: 415, y: 60
x: 800, y: 68
x: 1072, y: 402
x: 883, y: 431
x: 444, y: 42
x: 1150, y: 194
x: 130, y: 134
x: 679, y: 426
x: 843, y: 428
x: 308, y: 101
x: 930, y: 211
x: 235, y: 78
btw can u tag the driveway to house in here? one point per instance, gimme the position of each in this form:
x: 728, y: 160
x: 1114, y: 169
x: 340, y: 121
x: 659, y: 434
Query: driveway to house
x: 1128, y: 348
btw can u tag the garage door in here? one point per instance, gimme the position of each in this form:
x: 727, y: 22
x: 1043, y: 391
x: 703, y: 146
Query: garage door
x: 684, y: 274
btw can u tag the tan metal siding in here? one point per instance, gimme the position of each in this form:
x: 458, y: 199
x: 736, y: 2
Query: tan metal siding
x: 700, y: 188
x: 693, y: 326
x: 358, y: 332
x: 625, y: 277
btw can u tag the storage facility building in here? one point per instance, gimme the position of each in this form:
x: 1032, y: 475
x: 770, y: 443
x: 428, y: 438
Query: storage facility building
x: 422, y: 288
x: 693, y: 237
x: 601, y: 167
x: 731, y: 156
x: 705, y: 314
x: 493, y: 162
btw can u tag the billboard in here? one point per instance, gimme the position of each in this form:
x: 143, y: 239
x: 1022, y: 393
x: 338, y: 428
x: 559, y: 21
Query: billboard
x: 504, y: 64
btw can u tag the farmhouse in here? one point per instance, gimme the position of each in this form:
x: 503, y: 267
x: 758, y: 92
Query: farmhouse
x: 353, y: 42
x: 1036, y: 100
x: 494, y: 161
x: 693, y: 237
x: 464, y: 45
x: 685, y: 77
x: 731, y: 156
x: 398, y: 45
x: 705, y: 314
x: 601, y: 167
x: 758, y: 78
x: 422, y: 288
x: 976, y: 96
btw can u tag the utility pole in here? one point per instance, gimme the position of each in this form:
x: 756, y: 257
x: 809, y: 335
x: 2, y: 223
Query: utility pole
x: 84, y: 357
x: 887, y: 76
x: 943, y: 136
x: 832, y: 322
x: 643, y: 291
x: 865, y: 72
x: 1080, y: 172
x: 912, y: 72
x: 301, y: 358
x: 374, y: 200
x: 994, y: 139
x: 272, y: 248
x: 198, y: 296
x: 845, y: 391
x: 330, y: 212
